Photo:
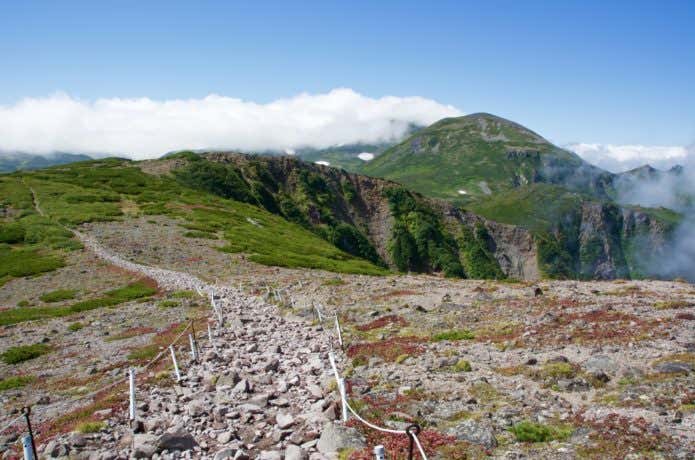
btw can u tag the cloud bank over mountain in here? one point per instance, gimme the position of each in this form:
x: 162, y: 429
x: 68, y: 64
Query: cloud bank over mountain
x: 145, y: 128
x: 619, y: 158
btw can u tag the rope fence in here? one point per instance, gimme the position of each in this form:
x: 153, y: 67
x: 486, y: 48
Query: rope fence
x: 28, y: 442
x: 412, y: 431
x: 131, y: 378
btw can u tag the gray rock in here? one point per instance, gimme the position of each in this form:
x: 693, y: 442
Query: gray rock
x: 144, y: 445
x: 225, y: 437
x: 242, y: 386
x: 196, y: 408
x: 284, y: 420
x: 269, y: 455
x: 673, y: 368
x: 178, y: 440
x: 600, y: 364
x: 293, y: 452
x: 475, y: 432
x: 224, y: 454
x: 335, y: 437
x: 573, y: 385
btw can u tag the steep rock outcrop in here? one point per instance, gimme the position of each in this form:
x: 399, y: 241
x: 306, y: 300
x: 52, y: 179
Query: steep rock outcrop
x: 361, y: 215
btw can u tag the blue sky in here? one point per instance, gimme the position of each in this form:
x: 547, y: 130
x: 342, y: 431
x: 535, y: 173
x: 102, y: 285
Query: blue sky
x: 617, y: 72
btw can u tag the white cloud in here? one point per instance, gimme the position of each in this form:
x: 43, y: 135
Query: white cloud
x: 145, y: 128
x: 322, y: 163
x: 365, y: 156
x: 618, y: 158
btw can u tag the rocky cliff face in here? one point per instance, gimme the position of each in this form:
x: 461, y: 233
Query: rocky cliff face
x: 383, y: 222
x: 605, y: 241
x: 373, y: 218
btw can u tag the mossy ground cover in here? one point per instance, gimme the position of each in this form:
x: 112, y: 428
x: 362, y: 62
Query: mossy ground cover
x: 15, y: 381
x: 58, y: 295
x: 114, y: 297
x: 20, y: 353
x: 535, y: 432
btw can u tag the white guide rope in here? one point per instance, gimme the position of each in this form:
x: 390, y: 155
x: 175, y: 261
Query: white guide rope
x: 344, y: 401
x: 12, y: 422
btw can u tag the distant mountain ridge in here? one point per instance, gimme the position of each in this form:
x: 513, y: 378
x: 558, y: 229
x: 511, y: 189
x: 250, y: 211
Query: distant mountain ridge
x: 14, y: 161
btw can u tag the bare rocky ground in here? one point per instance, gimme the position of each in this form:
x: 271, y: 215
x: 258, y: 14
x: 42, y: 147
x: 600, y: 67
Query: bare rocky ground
x: 607, y: 366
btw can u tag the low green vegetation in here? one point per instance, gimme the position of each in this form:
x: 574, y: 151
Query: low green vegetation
x: 76, y: 326
x: 558, y: 371
x: 17, y: 263
x: 18, y: 354
x: 127, y: 293
x: 90, y: 427
x: 333, y: 282
x: 168, y: 304
x: 110, y: 189
x: 254, y: 183
x: 673, y: 304
x: 462, y: 366
x: 478, y: 260
x: 58, y: 295
x: 144, y: 353
x: 527, y: 431
x: 418, y: 240
x: 183, y: 295
x: 15, y: 381
x: 453, y: 335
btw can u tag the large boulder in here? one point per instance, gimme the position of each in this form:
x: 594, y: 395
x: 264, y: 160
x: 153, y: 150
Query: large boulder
x: 335, y: 437
x: 600, y: 364
x: 144, y: 445
x: 177, y: 440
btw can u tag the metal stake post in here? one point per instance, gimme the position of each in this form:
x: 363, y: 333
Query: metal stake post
x: 412, y: 431
x: 28, y: 441
x: 176, y: 365
x: 131, y: 381
x: 379, y: 453
x: 340, y: 335
x: 212, y: 342
x: 343, y: 397
x: 194, y: 352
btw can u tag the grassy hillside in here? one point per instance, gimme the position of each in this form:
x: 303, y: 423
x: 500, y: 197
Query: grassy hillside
x: 475, y: 156
x: 117, y: 189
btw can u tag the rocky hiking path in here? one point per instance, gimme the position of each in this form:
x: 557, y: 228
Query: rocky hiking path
x: 260, y: 392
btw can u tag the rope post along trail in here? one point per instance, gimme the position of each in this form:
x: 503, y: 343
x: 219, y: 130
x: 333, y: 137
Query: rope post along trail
x: 194, y: 352
x: 27, y: 448
x: 343, y: 397
x: 176, y: 365
x: 412, y: 431
x: 379, y: 453
x: 28, y: 442
x: 131, y: 382
x: 337, y: 328
x: 212, y: 342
